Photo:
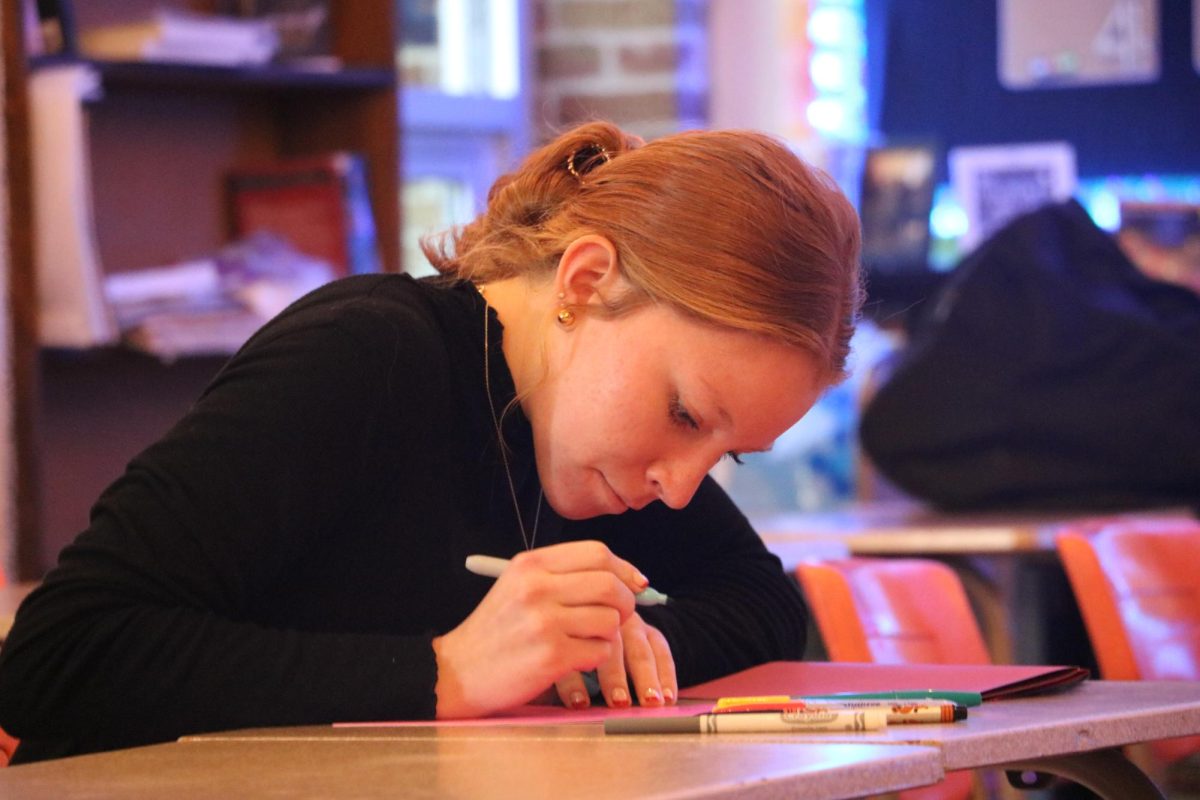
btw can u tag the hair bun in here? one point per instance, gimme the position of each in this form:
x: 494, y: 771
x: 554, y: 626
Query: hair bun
x: 585, y: 159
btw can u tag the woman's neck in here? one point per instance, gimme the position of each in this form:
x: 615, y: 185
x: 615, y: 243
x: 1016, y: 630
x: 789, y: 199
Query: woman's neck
x: 522, y: 309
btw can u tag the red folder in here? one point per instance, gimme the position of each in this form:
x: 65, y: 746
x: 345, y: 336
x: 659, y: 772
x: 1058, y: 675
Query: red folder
x: 992, y: 681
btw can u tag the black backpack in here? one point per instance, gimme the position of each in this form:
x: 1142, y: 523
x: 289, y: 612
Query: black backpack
x: 1050, y: 374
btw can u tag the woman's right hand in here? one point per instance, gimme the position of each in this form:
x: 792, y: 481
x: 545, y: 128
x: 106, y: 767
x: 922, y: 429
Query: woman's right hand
x: 555, y: 610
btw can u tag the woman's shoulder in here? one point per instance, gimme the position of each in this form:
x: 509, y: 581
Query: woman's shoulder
x: 374, y: 308
x: 364, y: 331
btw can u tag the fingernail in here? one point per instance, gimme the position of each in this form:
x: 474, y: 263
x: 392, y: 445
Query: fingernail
x: 668, y: 696
x: 620, y: 697
x: 579, y: 700
x: 641, y: 580
x: 653, y: 696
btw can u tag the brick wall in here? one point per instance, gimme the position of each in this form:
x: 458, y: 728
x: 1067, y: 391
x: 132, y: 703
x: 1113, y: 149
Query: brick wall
x: 639, y: 63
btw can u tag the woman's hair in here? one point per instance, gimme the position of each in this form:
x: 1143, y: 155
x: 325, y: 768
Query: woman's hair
x: 729, y: 227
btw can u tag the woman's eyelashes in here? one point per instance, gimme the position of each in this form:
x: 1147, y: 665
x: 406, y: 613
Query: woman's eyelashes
x: 681, y: 416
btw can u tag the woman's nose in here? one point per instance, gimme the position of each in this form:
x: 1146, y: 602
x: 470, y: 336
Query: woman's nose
x: 676, y: 482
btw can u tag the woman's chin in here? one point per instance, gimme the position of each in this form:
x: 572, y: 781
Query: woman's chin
x: 580, y: 508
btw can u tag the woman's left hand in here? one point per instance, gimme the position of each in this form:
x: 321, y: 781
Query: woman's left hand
x: 643, y: 658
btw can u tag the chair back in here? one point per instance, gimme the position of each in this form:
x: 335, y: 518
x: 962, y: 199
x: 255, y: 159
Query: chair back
x: 896, y: 611
x: 8, y: 746
x: 1135, y: 583
x: 892, y: 611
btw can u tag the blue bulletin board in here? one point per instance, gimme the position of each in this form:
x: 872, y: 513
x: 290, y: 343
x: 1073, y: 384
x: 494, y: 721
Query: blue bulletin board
x: 935, y: 72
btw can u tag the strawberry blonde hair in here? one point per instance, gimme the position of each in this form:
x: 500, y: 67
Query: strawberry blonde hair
x: 728, y: 227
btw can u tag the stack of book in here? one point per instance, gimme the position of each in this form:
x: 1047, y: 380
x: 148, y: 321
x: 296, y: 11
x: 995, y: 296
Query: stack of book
x: 319, y: 204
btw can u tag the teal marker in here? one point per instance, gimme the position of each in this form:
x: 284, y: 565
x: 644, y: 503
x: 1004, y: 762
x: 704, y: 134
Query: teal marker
x: 491, y: 567
x: 962, y: 698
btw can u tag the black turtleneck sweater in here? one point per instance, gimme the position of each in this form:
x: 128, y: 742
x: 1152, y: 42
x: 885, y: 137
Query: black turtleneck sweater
x: 285, y: 554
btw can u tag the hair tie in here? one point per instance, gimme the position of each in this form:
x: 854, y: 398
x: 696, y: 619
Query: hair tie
x: 586, y: 159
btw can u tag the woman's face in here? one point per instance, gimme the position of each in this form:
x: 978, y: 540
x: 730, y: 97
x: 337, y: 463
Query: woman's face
x: 640, y: 407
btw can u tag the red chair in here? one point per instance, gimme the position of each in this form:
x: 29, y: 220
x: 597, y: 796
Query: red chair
x: 896, y: 611
x: 1135, y: 583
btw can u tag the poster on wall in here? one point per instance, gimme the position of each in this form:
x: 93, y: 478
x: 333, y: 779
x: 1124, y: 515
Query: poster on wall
x: 1196, y: 35
x: 1071, y: 43
x: 995, y: 184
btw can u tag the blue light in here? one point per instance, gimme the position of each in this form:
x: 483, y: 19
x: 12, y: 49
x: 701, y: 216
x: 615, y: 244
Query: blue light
x: 947, y: 220
x: 836, y: 32
x: 1105, y: 209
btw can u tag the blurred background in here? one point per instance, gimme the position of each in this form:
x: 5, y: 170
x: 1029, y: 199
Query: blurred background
x: 177, y: 172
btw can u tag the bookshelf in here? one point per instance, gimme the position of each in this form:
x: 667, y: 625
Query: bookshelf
x: 161, y: 139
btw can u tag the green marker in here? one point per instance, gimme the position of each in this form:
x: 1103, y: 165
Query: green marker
x: 962, y: 698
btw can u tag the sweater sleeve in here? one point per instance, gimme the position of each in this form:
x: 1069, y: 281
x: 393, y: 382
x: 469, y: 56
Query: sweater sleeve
x: 141, y: 632
x: 731, y: 604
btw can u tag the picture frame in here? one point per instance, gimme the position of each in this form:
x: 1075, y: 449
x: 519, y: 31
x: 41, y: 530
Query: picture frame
x: 1074, y: 43
x: 994, y: 184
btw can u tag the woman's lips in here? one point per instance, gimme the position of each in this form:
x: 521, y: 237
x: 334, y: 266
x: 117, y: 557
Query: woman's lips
x: 620, y: 503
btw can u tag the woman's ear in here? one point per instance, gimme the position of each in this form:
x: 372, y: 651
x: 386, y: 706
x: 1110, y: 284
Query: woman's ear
x: 589, y: 272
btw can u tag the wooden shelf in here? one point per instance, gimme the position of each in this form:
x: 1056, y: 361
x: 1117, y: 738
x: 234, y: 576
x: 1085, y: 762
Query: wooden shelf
x: 161, y: 138
x: 271, y: 77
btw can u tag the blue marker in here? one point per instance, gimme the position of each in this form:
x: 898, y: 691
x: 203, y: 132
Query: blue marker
x: 491, y: 567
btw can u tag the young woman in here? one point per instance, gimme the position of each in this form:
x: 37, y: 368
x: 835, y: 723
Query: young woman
x: 620, y: 318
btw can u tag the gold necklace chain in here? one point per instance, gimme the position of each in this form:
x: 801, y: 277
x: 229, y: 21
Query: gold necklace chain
x: 512, y: 489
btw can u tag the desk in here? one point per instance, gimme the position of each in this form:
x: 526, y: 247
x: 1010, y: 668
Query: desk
x: 1071, y: 733
x: 983, y: 547
x: 906, y: 528
x: 567, y: 761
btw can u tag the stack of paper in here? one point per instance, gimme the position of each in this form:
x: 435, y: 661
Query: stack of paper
x: 211, y: 306
x: 187, y: 38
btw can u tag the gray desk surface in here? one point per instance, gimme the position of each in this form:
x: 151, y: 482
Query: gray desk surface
x: 575, y: 761
x: 580, y: 761
x: 1094, y: 715
x: 1071, y: 733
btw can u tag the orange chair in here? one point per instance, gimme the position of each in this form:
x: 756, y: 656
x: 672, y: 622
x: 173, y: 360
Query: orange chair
x: 8, y: 746
x: 7, y: 743
x: 892, y: 611
x: 1135, y: 583
x: 896, y: 611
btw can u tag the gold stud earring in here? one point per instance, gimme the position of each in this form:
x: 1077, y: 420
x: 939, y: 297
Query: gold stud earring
x: 565, y: 317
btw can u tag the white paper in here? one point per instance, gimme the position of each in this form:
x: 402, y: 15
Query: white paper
x: 72, y: 308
